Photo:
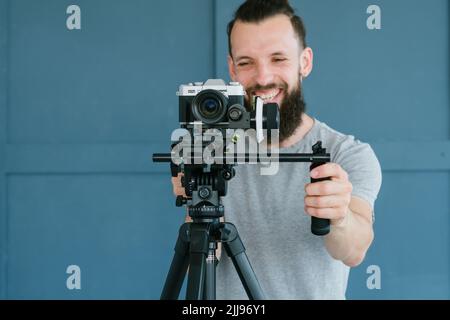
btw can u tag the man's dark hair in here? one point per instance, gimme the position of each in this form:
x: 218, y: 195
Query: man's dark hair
x: 255, y: 11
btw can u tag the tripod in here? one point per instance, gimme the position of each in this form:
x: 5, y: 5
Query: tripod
x: 197, y: 241
x: 196, y: 246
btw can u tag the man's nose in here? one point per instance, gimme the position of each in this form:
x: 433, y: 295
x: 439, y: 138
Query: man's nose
x: 264, y: 75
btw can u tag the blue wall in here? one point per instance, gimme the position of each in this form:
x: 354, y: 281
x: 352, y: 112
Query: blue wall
x: 82, y: 111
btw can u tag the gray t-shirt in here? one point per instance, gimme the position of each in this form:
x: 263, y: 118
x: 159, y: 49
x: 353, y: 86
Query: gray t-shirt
x: 268, y: 212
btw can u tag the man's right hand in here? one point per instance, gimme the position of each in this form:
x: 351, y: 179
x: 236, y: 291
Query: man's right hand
x: 178, y: 189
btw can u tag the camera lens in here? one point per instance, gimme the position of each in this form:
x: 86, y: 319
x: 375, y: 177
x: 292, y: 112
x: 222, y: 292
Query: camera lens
x: 209, y: 106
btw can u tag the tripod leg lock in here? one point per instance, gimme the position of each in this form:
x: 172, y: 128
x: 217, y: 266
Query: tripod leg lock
x: 230, y: 236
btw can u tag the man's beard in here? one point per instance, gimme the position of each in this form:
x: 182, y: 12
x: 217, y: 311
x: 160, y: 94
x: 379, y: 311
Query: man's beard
x: 291, y: 109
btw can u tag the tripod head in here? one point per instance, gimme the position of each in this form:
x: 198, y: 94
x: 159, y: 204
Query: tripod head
x: 204, y: 186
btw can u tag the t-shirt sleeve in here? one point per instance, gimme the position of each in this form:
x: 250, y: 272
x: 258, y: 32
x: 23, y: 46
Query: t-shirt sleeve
x: 360, y: 162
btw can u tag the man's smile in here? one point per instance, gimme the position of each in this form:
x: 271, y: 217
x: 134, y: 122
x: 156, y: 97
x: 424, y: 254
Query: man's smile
x: 269, y: 96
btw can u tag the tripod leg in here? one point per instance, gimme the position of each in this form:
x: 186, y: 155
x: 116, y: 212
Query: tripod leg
x: 178, y: 267
x: 197, y: 264
x: 211, y: 261
x: 236, y: 251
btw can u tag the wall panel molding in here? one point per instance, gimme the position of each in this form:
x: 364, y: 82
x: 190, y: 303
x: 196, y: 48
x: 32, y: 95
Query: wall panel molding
x: 4, y: 11
x: 135, y: 158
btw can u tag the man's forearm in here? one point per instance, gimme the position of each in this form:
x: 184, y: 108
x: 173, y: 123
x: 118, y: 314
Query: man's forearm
x: 349, y: 240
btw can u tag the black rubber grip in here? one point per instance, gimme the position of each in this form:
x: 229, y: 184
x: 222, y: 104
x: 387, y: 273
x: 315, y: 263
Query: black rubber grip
x: 319, y: 226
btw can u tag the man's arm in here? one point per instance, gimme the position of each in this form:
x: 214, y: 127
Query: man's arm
x: 350, y: 217
x: 350, y: 238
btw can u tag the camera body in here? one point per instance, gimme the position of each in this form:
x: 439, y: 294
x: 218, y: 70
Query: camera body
x: 214, y: 104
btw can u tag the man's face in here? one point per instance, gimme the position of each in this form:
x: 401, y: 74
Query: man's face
x: 266, y: 61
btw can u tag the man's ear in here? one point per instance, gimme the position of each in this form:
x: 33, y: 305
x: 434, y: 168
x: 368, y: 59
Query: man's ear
x: 231, y: 68
x: 306, y: 62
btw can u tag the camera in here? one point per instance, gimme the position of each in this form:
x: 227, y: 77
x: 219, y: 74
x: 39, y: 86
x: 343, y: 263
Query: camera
x: 216, y: 104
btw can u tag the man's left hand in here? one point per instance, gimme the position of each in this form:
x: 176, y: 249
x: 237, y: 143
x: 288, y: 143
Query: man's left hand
x: 328, y: 199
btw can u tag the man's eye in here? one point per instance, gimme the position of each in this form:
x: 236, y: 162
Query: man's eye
x: 280, y: 59
x: 242, y: 64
